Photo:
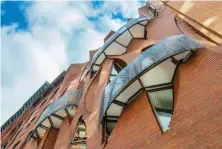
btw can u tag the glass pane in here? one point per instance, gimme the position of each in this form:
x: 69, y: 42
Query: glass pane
x: 114, y: 72
x: 164, y: 120
x: 111, y: 78
x: 162, y: 102
x: 162, y: 99
x: 79, y: 139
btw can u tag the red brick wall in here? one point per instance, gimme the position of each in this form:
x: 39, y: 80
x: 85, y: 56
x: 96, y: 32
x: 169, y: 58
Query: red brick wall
x: 51, y: 138
x: 197, y: 118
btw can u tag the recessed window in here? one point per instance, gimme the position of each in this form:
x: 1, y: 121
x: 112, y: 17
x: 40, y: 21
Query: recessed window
x: 116, y: 68
x: 79, y: 139
x: 151, y: 9
x: 4, y: 146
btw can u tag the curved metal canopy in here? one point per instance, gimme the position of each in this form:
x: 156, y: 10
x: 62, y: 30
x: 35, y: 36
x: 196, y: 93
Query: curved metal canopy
x: 55, y: 113
x: 118, y: 42
x: 154, y: 71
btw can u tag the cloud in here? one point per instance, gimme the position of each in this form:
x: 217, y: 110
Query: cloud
x: 58, y: 34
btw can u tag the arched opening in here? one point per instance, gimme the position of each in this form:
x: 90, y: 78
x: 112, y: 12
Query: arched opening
x: 51, y: 119
x: 118, y: 65
x: 153, y: 71
x: 118, y: 43
x: 80, y: 137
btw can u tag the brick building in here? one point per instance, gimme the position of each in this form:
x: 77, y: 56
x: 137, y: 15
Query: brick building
x: 155, y: 83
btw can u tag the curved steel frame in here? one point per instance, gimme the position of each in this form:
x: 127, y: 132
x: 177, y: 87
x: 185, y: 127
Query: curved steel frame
x: 117, y: 34
x: 168, y: 48
x: 69, y: 100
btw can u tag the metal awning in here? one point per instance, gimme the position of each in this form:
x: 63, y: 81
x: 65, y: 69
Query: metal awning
x: 55, y: 113
x: 154, y: 72
x: 118, y: 42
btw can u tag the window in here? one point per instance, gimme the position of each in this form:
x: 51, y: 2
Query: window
x: 118, y: 65
x: 152, y: 10
x: 4, y: 146
x: 162, y: 102
x: 79, y: 139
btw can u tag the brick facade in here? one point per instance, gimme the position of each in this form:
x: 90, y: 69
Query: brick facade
x: 197, y: 116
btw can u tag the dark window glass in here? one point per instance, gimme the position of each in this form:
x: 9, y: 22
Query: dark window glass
x: 79, y: 139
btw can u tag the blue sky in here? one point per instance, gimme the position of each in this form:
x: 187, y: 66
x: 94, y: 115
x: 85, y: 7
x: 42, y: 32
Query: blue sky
x: 41, y: 39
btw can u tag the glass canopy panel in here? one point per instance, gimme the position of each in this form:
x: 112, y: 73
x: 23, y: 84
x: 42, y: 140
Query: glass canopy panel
x: 183, y: 56
x: 115, y: 49
x: 95, y: 68
x: 56, y: 121
x: 121, y: 36
x: 160, y: 74
x: 129, y: 91
x: 46, y: 123
x: 70, y: 98
x: 100, y: 59
x: 68, y: 101
x: 143, y: 22
x: 154, y: 55
x: 124, y: 39
x: 137, y: 31
x: 41, y: 131
x: 114, y: 110
x: 61, y: 113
